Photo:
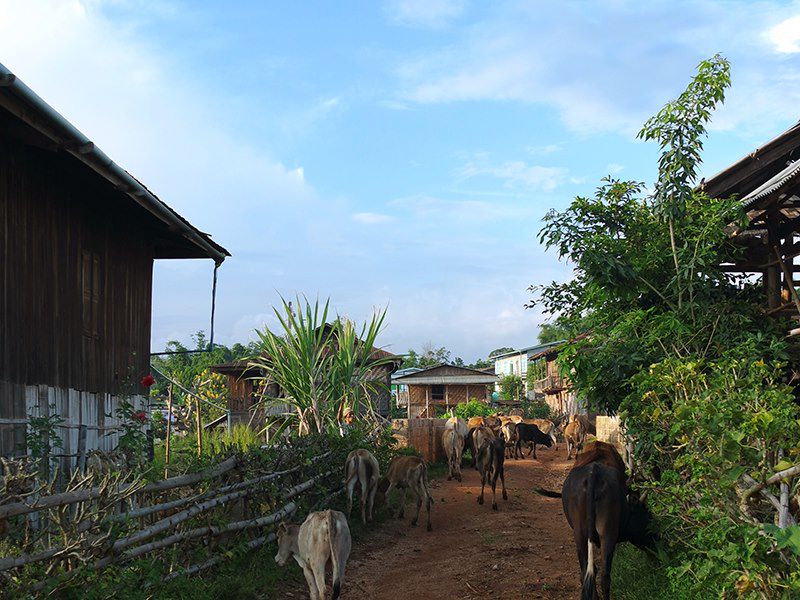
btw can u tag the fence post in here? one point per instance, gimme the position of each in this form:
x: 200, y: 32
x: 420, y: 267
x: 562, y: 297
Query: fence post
x: 82, y: 448
x: 169, y: 431
x: 229, y: 421
x: 199, y: 429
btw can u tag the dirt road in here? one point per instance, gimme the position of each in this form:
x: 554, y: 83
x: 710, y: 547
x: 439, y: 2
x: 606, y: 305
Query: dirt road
x: 523, y: 551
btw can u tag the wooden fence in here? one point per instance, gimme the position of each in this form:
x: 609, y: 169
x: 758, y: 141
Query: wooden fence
x: 96, y: 523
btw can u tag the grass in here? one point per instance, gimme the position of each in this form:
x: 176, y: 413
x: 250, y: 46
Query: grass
x: 637, y: 575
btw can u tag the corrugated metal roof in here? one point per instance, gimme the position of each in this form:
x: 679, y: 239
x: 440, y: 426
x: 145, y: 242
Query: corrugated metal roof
x: 773, y: 184
x: 533, y: 349
x: 451, y: 380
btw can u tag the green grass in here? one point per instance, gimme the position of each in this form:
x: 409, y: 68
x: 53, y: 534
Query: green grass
x: 637, y: 575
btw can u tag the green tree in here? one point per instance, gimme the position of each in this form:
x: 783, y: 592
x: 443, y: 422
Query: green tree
x: 512, y: 387
x: 553, y: 332
x: 684, y: 354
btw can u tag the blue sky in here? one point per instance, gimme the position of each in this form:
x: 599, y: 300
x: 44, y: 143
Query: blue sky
x: 393, y: 154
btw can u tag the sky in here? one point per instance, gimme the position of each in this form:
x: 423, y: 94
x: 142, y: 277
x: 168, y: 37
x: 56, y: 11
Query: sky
x: 394, y: 155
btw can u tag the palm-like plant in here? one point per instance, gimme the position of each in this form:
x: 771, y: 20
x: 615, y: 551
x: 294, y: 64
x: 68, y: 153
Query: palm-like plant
x: 320, y: 368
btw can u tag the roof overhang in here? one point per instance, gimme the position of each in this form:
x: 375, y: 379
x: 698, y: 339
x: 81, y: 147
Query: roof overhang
x: 26, y: 106
x: 448, y: 380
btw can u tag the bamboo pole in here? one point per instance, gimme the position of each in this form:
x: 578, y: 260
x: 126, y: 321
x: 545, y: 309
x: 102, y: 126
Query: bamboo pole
x: 199, y: 422
x: 169, y: 432
x: 20, y: 508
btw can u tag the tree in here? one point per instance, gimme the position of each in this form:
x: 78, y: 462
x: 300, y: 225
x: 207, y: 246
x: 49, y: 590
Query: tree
x: 682, y: 351
x: 553, y: 332
x: 498, y: 351
x: 512, y: 387
x: 429, y: 357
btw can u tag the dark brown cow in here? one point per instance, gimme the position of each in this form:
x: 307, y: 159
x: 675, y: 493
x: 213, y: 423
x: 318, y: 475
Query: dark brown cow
x: 602, y: 512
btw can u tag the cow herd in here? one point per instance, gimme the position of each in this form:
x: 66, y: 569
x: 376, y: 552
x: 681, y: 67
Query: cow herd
x: 598, y: 502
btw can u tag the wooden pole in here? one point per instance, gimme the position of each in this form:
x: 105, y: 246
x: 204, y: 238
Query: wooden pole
x: 199, y: 429
x: 82, y: 448
x: 427, y: 400
x: 169, y: 432
x: 787, y: 274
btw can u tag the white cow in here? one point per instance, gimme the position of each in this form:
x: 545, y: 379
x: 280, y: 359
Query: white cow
x: 324, y: 536
x: 453, y: 444
x: 362, y: 468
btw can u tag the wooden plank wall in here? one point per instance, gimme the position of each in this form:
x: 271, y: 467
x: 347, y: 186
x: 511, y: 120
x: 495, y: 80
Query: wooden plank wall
x: 75, y: 278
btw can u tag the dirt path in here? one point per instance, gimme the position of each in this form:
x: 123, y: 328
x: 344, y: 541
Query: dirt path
x: 523, y: 551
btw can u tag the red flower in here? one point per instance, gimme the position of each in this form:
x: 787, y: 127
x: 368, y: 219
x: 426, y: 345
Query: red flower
x: 148, y: 380
x: 140, y: 416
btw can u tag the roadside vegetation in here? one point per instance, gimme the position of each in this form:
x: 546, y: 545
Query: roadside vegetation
x: 683, y: 352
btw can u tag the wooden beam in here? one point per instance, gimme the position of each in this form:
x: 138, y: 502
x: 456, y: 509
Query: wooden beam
x: 787, y: 274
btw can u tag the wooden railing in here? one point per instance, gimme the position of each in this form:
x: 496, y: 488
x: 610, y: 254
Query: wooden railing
x: 549, y: 383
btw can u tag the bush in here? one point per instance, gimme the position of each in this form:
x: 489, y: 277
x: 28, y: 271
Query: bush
x: 473, y: 408
x: 536, y: 409
x: 512, y: 388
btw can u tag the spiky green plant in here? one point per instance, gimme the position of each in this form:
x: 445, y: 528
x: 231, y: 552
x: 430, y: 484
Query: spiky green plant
x: 320, y: 368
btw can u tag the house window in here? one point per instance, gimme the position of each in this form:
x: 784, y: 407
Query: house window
x: 90, y: 286
x: 437, y: 392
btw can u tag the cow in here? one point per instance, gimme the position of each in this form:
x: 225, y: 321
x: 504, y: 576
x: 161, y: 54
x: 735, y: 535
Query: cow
x: 547, y: 427
x: 602, y: 512
x: 574, y: 434
x: 509, y: 431
x: 529, y: 433
x: 493, y: 422
x: 491, y: 458
x: 324, y: 536
x: 362, y: 468
x: 407, y: 472
x: 453, y: 444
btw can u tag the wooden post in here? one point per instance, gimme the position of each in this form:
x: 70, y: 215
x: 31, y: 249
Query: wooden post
x: 81, y: 466
x: 169, y: 431
x: 787, y: 275
x: 427, y: 400
x: 408, y: 402
x: 447, y: 397
x: 199, y: 429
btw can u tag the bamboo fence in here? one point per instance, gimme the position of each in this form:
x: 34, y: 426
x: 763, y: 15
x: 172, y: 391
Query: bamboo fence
x: 98, y: 522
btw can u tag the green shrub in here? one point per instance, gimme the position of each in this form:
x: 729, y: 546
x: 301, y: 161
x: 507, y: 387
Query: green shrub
x: 473, y: 408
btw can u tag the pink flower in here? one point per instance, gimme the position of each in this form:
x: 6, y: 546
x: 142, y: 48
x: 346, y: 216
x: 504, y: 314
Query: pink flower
x: 140, y: 416
x: 148, y: 380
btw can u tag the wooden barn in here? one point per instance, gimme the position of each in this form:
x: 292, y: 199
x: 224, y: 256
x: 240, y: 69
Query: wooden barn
x: 78, y: 237
x: 435, y: 390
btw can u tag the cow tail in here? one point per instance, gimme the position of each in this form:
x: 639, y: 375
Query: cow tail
x: 588, y: 590
x: 337, y: 570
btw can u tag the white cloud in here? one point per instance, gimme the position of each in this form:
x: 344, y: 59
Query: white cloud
x: 425, y: 13
x: 518, y: 173
x: 369, y: 218
x: 615, y: 168
x: 621, y: 65
x: 786, y: 36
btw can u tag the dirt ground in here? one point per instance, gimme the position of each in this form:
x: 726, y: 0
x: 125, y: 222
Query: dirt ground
x: 524, y: 550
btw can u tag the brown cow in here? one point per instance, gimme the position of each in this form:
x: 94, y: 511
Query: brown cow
x: 574, y: 434
x: 453, y: 444
x: 407, y: 472
x: 362, y: 468
x: 491, y: 458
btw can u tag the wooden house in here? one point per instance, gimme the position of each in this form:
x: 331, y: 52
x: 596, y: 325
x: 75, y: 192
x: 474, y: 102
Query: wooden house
x: 435, y: 390
x: 78, y: 237
x: 550, y: 383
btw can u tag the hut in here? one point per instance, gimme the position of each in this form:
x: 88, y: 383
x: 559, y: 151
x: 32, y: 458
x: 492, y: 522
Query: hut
x: 78, y: 237
x: 434, y: 390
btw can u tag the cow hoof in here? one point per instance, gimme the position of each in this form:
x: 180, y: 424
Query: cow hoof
x: 480, y: 500
x: 449, y: 478
x: 505, y: 496
x: 494, y: 506
x: 414, y: 523
x: 429, y: 527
